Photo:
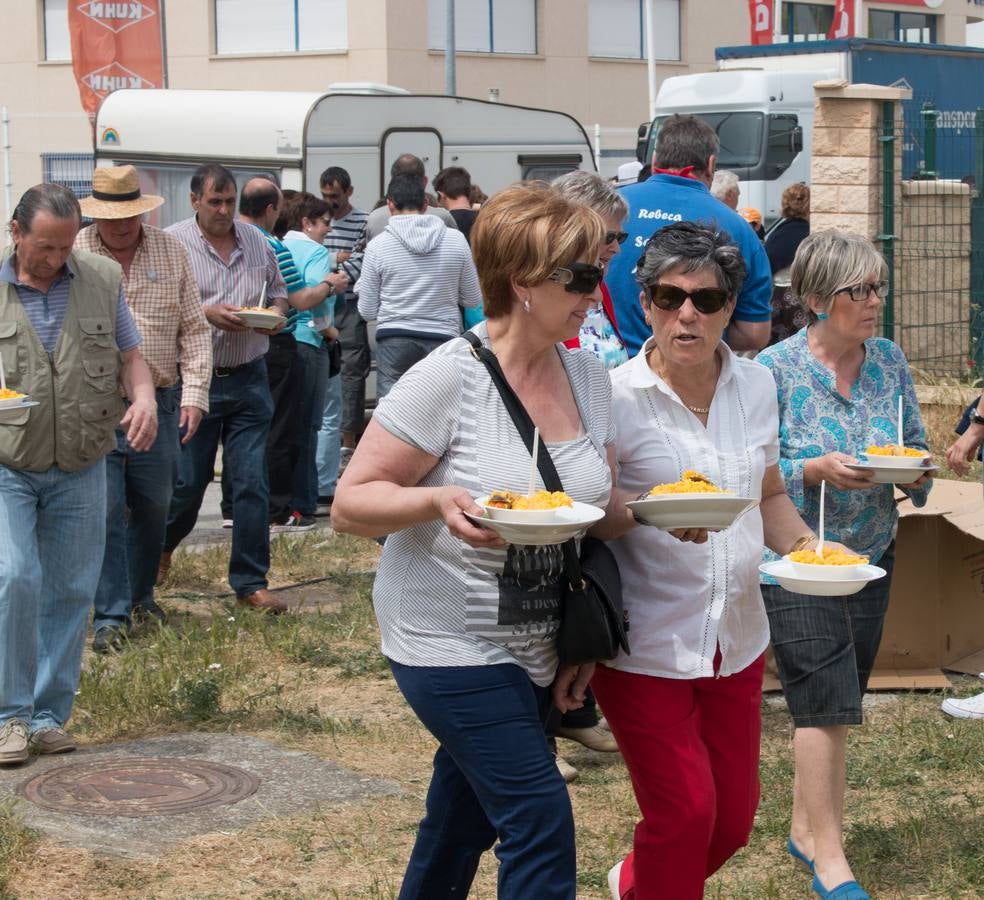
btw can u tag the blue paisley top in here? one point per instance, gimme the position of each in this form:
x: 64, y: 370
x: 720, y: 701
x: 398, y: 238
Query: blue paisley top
x: 814, y: 419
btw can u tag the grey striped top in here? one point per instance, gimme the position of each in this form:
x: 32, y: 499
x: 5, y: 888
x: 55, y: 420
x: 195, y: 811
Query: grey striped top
x: 440, y: 602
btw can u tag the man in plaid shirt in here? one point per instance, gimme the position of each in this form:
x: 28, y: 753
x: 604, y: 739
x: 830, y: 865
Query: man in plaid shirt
x: 164, y: 299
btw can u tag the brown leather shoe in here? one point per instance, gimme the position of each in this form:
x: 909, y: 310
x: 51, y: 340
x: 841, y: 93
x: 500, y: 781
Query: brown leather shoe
x: 163, y: 566
x: 263, y: 599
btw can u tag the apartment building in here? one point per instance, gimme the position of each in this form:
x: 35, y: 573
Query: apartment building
x: 584, y: 57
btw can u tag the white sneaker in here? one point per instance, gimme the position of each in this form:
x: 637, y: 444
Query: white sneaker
x: 14, y: 737
x: 614, y: 873
x: 567, y: 771
x: 967, y: 707
x: 595, y: 737
x: 227, y: 523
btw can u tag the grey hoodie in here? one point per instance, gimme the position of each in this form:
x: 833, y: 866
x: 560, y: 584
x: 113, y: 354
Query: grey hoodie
x: 415, y: 276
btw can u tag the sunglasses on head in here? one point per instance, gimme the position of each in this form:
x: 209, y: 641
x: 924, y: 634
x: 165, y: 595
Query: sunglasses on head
x: 612, y: 236
x: 578, y: 278
x: 861, y: 292
x: 669, y: 297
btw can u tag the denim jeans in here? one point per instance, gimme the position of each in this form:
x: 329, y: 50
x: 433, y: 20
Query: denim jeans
x: 314, y: 363
x: 330, y: 438
x: 239, y: 412
x: 52, y: 535
x: 141, y: 483
x: 493, y: 778
x: 353, y: 334
x: 396, y: 354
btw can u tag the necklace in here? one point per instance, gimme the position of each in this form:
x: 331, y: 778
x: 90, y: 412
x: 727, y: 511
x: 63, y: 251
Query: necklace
x: 700, y: 410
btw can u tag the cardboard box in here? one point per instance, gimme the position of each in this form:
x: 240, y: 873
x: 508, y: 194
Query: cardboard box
x: 935, y: 615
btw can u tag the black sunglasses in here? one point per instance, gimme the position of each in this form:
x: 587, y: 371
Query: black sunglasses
x: 578, y: 278
x: 669, y: 296
x: 861, y: 292
x: 612, y: 236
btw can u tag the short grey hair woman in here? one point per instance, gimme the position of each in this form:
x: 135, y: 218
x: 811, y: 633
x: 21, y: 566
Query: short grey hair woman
x: 838, y: 391
x: 599, y: 333
x: 684, y: 707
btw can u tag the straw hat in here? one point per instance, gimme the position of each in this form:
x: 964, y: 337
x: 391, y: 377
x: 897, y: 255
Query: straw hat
x: 116, y: 195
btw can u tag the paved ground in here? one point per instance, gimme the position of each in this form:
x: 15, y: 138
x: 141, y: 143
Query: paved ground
x: 286, y: 783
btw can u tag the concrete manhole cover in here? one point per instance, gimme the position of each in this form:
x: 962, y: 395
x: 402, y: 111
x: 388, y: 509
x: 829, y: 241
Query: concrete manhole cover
x: 138, y: 787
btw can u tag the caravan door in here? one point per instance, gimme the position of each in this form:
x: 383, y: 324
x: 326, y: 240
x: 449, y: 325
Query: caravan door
x: 425, y: 143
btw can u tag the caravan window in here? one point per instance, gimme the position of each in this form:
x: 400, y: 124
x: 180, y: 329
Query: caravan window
x: 173, y: 183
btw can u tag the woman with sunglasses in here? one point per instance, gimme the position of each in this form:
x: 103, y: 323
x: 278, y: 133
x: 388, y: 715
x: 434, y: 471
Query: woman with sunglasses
x: 684, y: 706
x: 838, y: 389
x: 599, y: 332
x: 468, y: 623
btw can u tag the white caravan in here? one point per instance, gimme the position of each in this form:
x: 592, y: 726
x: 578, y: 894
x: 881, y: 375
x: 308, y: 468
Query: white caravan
x: 296, y: 135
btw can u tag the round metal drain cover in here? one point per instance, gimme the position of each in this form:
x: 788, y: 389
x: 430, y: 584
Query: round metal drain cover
x: 139, y: 787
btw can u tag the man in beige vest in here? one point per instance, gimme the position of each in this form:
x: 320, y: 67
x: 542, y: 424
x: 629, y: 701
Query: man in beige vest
x: 68, y: 343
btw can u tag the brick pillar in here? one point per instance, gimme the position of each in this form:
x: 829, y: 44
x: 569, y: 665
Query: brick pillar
x: 846, y: 162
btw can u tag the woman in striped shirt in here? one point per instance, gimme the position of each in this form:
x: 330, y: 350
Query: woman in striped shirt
x: 469, y: 623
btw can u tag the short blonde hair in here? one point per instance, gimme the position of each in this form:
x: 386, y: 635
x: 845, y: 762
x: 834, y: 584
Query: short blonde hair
x: 829, y: 260
x: 523, y: 234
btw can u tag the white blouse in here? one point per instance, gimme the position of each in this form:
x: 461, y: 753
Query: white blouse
x: 685, y: 600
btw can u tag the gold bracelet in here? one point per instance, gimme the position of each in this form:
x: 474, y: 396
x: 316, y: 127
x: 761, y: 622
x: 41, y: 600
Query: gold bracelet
x: 801, y: 543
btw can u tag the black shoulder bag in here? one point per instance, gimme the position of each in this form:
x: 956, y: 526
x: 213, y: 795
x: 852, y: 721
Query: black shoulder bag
x: 593, y: 622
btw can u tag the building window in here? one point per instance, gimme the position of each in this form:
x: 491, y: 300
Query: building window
x: 617, y: 29
x: 71, y: 170
x: 57, y: 45
x: 279, y: 26
x: 806, y: 21
x: 913, y: 28
x: 484, y: 26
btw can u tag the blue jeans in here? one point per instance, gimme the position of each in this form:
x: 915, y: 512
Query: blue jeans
x: 52, y: 535
x: 141, y: 483
x: 396, y: 353
x: 494, y: 777
x: 314, y: 365
x: 330, y: 438
x: 239, y: 412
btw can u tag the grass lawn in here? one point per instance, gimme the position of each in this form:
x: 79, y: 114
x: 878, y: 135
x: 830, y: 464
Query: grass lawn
x: 317, y: 682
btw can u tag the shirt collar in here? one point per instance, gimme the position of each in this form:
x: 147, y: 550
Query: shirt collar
x: 9, y: 274
x: 642, y: 377
x: 692, y: 183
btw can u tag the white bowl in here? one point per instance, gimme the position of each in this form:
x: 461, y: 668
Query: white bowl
x: 526, y: 516
x: 713, y: 511
x: 14, y: 401
x: 255, y: 318
x: 782, y: 571
x: 817, y: 572
x: 537, y: 527
x: 895, y: 462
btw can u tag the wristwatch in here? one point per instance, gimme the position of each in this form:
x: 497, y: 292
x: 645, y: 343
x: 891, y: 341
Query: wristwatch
x: 975, y: 417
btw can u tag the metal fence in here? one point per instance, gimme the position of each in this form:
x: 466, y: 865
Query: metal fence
x: 933, y: 237
x: 72, y: 170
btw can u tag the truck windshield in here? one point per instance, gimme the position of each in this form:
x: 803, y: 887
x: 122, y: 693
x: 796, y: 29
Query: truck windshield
x: 740, y: 134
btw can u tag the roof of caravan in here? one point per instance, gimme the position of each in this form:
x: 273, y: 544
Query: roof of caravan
x: 271, y: 125
x: 261, y: 124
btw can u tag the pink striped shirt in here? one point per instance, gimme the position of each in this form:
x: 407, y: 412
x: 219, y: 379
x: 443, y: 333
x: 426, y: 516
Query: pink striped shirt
x: 238, y: 282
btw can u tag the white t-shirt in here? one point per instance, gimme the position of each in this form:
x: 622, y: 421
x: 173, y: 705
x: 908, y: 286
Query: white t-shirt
x: 439, y: 601
x: 685, y: 599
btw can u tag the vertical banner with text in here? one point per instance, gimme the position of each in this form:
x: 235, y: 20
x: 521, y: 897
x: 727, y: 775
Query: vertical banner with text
x: 115, y: 45
x: 760, y: 14
x: 844, y: 24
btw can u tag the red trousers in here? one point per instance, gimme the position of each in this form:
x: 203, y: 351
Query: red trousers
x: 692, y: 750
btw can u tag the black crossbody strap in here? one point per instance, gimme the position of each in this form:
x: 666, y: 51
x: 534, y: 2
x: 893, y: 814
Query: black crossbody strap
x: 525, y: 427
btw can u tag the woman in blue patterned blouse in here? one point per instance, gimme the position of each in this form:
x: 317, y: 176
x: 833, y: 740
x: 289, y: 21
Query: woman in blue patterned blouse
x: 838, y: 388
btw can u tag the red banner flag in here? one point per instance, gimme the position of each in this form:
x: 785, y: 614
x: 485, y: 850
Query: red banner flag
x: 843, y: 24
x: 115, y: 45
x: 760, y: 12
